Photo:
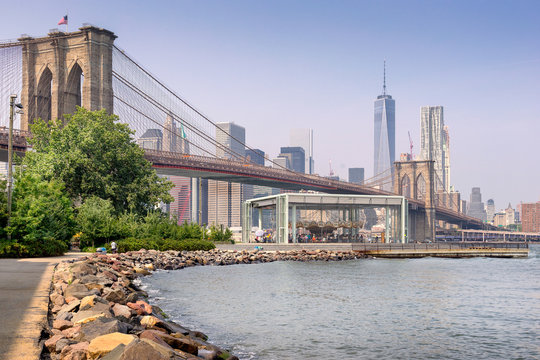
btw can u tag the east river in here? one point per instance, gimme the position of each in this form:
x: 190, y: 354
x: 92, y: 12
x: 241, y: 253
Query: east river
x: 429, y: 308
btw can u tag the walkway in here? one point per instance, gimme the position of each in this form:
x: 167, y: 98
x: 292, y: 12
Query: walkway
x: 24, y: 299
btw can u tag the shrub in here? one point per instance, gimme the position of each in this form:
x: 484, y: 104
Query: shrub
x: 50, y: 247
x: 133, y: 244
x: 95, y: 221
x: 218, y: 234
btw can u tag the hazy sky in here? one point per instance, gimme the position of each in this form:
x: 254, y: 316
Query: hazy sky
x: 275, y: 65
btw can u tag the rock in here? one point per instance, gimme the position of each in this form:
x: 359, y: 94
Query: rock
x: 121, y: 310
x: 85, y: 316
x: 150, y: 335
x: 149, y: 267
x: 101, y: 326
x: 141, y: 271
x: 61, y: 344
x: 57, y: 299
x: 141, y: 307
x: 87, y: 302
x: 82, y: 268
x: 62, y: 324
x: 208, y: 354
x: 93, y: 279
x: 179, y: 342
x: 74, y: 352
x: 69, y: 307
x: 78, y: 290
x: 116, y: 296
x: 72, y: 332
x: 64, y: 316
x: 51, y: 343
x: 132, y: 297
x: 115, y: 354
x: 149, y: 321
x: 69, y: 299
x: 106, y: 343
x: 142, y: 350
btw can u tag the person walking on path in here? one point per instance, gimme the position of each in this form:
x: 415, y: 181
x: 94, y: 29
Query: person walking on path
x: 113, y: 247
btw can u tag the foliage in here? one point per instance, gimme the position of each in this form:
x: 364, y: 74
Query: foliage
x: 95, y: 155
x: 218, y: 234
x: 134, y: 244
x: 3, y: 209
x: 42, y: 216
x: 95, y: 221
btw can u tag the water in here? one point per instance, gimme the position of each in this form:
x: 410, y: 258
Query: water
x: 427, y: 308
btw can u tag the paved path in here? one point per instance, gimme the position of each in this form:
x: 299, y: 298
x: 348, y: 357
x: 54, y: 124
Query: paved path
x: 24, y: 298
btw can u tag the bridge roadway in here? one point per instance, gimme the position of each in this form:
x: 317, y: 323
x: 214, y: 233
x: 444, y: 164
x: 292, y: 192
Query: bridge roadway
x: 169, y: 163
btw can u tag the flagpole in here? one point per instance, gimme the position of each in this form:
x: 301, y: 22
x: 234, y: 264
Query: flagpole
x: 67, y: 22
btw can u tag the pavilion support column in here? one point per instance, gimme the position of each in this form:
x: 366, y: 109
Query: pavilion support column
x: 293, y: 224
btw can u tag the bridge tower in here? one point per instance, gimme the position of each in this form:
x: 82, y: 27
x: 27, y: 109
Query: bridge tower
x: 63, y: 70
x: 416, y: 180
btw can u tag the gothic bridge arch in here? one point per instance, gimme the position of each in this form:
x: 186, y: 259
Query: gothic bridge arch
x: 63, y: 70
x: 415, y: 180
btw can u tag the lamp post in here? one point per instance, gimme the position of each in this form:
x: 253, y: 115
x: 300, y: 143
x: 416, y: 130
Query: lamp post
x: 12, y: 104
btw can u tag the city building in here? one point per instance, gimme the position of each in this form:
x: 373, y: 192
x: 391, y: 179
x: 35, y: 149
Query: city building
x: 281, y: 162
x: 151, y: 139
x: 356, y: 175
x: 432, y: 142
x: 255, y: 156
x: 174, y: 137
x: 296, y: 156
x: 225, y: 198
x: 304, y: 139
x: 231, y: 139
x: 405, y: 157
x: 384, y: 136
x: 510, y: 215
x: 446, y: 154
x: 530, y: 217
x: 499, y: 219
x: 476, y: 206
x: 490, y: 210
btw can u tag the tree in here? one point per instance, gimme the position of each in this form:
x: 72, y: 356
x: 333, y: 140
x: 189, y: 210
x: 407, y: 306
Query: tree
x: 42, y: 217
x: 95, y: 155
x: 96, y: 221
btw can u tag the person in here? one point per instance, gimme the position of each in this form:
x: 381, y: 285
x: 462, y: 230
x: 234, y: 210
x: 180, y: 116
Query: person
x: 113, y: 247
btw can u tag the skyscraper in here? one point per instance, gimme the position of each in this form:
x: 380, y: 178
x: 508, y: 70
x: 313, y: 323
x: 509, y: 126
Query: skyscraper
x: 446, y: 154
x: 356, y: 175
x: 232, y: 139
x: 476, y: 206
x: 432, y: 142
x: 490, y: 210
x: 225, y: 198
x: 384, y: 136
x: 304, y: 139
x: 296, y: 156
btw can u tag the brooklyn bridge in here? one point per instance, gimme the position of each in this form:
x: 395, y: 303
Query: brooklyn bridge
x: 51, y: 75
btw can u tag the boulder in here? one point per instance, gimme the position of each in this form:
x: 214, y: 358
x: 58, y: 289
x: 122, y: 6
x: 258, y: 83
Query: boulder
x: 69, y: 307
x: 87, y: 302
x: 85, y: 316
x: 178, y: 341
x: 150, y: 335
x: 62, y: 324
x: 106, y: 343
x: 75, y: 352
x: 121, y: 310
x: 64, y: 316
x: 82, y: 268
x: 115, y: 353
x: 142, y: 350
x: 61, y: 344
x: 51, y: 343
x: 149, y: 321
x: 72, y: 332
x: 57, y: 299
x: 101, y: 326
x: 78, y: 290
x: 116, y: 296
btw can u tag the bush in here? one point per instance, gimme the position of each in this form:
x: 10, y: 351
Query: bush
x: 50, y: 247
x: 218, y: 234
x: 95, y: 221
x: 134, y: 244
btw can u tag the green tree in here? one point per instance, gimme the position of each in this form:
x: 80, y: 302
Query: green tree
x: 96, y: 222
x: 3, y: 209
x: 95, y: 155
x: 219, y: 234
x: 42, y: 217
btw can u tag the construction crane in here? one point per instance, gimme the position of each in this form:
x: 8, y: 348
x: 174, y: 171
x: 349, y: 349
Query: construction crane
x: 331, y: 171
x: 411, y: 145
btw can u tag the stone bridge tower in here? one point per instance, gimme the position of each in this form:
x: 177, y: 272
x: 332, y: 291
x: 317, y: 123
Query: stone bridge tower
x: 416, y: 180
x: 63, y: 70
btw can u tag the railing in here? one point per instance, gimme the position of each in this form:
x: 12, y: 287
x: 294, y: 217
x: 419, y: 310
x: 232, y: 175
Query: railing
x: 441, y: 246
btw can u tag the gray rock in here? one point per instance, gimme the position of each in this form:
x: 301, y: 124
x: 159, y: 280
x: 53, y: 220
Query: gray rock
x: 69, y: 307
x: 115, y: 354
x: 60, y: 344
x: 78, y: 290
x: 64, y: 316
x: 101, y: 326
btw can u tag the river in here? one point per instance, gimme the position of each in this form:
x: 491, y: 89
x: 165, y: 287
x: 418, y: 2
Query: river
x: 430, y: 308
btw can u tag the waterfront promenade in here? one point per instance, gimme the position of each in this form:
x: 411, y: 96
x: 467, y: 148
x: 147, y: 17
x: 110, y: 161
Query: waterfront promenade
x: 409, y: 250
x: 24, y: 299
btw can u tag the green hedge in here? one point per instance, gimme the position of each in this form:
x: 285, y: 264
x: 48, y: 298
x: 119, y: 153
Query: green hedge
x: 133, y: 244
x: 19, y: 250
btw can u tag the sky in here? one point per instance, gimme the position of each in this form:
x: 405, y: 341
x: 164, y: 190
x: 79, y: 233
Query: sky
x: 271, y: 66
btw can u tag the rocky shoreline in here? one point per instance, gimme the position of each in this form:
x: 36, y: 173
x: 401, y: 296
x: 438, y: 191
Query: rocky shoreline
x: 97, y: 312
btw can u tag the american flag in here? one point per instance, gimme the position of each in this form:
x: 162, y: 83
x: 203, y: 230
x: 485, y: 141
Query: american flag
x: 63, y: 21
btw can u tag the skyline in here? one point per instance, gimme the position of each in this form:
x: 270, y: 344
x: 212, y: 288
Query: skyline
x: 271, y: 67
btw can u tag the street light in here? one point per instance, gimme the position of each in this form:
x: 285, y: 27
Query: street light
x: 12, y: 104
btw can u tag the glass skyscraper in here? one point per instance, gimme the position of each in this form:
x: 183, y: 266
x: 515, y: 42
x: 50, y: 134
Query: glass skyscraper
x: 433, y: 142
x: 384, y: 138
